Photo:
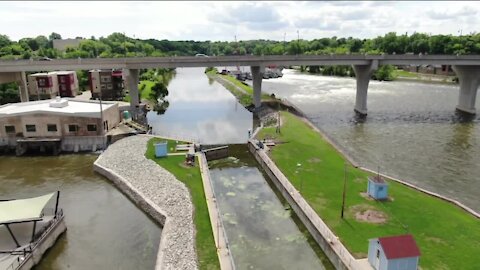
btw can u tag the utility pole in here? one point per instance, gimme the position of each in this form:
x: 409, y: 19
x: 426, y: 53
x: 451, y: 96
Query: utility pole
x: 344, y: 188
x: 298, y: 42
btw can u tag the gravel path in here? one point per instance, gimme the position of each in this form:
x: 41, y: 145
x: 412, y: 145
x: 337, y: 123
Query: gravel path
x: 157, y: 192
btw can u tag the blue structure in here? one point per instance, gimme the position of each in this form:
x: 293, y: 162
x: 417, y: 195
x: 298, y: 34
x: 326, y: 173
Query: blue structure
x: 161, y: 149
x: 377, y: 188
x: 393, y: 253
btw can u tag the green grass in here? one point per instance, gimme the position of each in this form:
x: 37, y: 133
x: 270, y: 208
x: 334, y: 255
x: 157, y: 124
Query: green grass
x: 405, y: 74
x: 191, y: 177
x: 448, y: 237
x: 244, y: 97
x: 145, y: 93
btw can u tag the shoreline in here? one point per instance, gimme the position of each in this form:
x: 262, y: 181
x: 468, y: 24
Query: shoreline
x: 302, y: 116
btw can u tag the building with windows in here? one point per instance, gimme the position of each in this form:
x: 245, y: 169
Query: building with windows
x: 49, y: 85
x: 57, y: 125
x: 106, y: 84
x: 67, y: 83
x: 42, y: 86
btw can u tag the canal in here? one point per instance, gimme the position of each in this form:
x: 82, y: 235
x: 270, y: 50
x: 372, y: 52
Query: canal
x: 262, y: 229
x: 411, y: 132
x: 104, y: 229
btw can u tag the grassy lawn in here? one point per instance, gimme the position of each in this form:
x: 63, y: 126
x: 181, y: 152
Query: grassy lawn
x: 145, y: 93
x: 448, y: 237
x: 405, y: 74
x: 244, y: 99
x: 191, y: 177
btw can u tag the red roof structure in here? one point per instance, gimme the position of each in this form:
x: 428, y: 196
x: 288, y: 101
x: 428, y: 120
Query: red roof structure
x: 402, y: 246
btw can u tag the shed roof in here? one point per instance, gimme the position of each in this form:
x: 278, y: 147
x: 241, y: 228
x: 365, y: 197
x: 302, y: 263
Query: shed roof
x: 23, y: 210
x: 402, y: 246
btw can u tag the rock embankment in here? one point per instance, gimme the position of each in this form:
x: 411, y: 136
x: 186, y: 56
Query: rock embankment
x: 158, y: 193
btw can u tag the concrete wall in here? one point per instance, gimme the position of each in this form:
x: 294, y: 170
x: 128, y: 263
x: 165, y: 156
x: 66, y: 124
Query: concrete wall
x: 334, y: 249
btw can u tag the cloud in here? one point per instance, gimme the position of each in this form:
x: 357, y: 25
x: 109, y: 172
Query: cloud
x: 254, y: 16
x: 317, y: 23
x: 449, y: 14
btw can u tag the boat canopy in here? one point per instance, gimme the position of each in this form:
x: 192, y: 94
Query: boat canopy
x: 23, y: 210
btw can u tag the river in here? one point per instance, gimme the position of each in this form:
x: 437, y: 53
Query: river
x: 411, y: 132
x: 201, y: 110
x: 104, y: 229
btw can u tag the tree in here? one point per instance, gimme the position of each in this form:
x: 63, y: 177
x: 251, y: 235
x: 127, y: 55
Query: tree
x: 53, y: 36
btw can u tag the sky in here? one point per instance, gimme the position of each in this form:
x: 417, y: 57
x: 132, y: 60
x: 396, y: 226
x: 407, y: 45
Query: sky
x: 227, y: 20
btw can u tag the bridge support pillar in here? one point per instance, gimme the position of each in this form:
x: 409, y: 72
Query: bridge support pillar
x: 257, y: 76
x: 469, y: 78
x: 363, y: 74
x: 132, y: 84
x: 22, y: 87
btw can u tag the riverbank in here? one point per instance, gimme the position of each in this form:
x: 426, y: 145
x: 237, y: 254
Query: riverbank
x: 159, y: 194
x: 316, y: 169
x: 303, y: 155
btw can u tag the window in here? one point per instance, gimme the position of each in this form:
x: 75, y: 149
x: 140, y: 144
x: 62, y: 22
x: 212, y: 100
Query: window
x: 92, y: 127
x: 41, y: 82
x: 10, y: 129
x: 109, y: 86
x: 105, y: 79
x: 62, y: 79
x: 72, y: 128
x: 52, y: 127
x: 31, y: 128
x: 63, y: 87
x: 103, y: 86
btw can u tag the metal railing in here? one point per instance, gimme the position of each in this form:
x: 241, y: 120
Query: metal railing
x: 25, y: 252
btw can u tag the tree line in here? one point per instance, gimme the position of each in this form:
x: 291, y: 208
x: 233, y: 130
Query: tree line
x: 119, y: 45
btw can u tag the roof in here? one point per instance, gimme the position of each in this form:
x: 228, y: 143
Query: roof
x: 23, y: 210
x: 376, y: 179
x: 402, y: 246
x: 77, y: 108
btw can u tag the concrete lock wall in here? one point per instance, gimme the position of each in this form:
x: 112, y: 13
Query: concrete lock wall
x: 333, y: 249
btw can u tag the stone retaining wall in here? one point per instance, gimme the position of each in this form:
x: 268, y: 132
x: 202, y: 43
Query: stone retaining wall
x: 157, y: 192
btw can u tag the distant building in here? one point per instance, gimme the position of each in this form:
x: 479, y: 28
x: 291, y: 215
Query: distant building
x: 445, y: 70
x: 107, y: 84
x: 58, y: 124
x: 377, y: 188
x: 62, y: 44
x: 67, y: 83
x: 42, y: 86
x: 393, y: 253
x: 49, y: 85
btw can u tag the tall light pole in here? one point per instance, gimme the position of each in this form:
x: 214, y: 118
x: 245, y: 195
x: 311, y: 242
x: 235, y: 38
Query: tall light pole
x: 298, y: 42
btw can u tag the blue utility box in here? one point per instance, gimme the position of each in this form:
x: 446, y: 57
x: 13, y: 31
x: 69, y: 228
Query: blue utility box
x: 377, y: 188
x: 161, y: 149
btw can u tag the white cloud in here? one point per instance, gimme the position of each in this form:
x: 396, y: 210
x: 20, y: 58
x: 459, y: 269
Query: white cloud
x: 247, y: 20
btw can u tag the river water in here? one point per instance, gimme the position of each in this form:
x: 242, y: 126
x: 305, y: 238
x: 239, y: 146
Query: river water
x: 104, y: 229
x: 201, y: 110
x: 411, y: 132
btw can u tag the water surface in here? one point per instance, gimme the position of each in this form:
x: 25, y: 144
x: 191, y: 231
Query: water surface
x: 259, y: 224
x: 411, y: 132
x: 104, y: 229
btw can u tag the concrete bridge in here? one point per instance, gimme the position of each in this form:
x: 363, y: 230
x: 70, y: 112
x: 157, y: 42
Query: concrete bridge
x: 467, y: 68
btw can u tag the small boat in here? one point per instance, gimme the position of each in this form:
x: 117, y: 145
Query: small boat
x: 27, y: 229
